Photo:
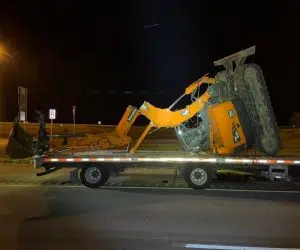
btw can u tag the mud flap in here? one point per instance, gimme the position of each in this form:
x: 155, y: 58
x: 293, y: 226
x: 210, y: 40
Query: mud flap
x: 20, y: 143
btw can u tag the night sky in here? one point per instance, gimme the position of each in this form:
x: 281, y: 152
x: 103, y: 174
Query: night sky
x: 103, y: 55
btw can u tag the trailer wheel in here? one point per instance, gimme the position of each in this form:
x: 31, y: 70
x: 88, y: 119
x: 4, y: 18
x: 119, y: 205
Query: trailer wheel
x: 198, y: 177
x: 94, y: 176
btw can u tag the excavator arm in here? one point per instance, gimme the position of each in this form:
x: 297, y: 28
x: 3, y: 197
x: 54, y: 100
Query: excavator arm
x: 163, y: 118
x: 159, y: 118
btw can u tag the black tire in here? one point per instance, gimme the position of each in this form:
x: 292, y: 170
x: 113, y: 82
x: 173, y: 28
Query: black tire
x: 94, y: 176
x: 198, y: 177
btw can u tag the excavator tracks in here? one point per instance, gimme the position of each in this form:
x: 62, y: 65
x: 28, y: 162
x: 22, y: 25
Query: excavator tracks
x: 259, y: 105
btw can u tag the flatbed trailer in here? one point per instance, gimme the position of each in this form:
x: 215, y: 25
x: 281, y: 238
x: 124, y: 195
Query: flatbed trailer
x: 198, y: 170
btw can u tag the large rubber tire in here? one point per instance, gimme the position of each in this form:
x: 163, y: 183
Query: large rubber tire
x: 198, y: 177
x: 94, y: 176
x: 267, y: 131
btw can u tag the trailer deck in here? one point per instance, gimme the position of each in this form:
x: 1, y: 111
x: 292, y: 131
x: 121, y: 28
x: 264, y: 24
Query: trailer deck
x: 96, y: 166
x: 159, y: 156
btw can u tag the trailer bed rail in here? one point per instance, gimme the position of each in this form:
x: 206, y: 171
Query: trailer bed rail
x: 169, y: 157
x: 198, y: 170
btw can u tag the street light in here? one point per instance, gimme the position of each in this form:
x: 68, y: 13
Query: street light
x: 4, y: 54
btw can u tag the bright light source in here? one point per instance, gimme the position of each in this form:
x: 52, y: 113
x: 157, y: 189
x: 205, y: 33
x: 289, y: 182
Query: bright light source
x: 4, y: 54
x: 179, y: 132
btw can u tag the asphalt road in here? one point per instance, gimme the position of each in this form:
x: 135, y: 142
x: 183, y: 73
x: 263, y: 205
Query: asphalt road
x: 79, y: 218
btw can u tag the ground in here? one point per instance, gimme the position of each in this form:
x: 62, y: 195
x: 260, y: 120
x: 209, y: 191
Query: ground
x: 79, y: 218
x: 49, y: 213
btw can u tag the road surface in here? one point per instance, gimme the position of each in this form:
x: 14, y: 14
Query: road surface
x: 35, y: 217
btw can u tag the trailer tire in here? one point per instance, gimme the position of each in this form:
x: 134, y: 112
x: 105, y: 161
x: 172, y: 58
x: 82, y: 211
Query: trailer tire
x: 198, y: 177
x: 93, y: 176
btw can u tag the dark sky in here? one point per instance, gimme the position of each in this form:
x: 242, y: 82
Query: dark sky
x: 68, y: 53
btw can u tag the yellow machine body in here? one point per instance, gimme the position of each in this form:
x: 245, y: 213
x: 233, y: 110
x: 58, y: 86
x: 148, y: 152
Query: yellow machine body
x: 226, y: 131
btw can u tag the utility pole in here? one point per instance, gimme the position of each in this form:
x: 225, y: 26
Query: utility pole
x: 74, y: 120
x: 22, y: 103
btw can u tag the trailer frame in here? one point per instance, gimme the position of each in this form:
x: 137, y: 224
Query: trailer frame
x: 110, y: 162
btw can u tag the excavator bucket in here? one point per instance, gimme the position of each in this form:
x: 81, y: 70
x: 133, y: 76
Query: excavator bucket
x: 20, y: 143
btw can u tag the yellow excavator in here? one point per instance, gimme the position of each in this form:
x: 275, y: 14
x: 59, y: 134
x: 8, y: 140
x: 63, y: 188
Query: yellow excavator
x: 232, y: 115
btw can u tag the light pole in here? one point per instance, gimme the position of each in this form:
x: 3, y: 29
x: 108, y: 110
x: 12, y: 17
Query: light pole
x: 4, y: 54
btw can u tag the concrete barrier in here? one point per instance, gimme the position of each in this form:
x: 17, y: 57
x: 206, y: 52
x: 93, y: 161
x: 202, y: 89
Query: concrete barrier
x: 290, y: 137
x: 32, y: 128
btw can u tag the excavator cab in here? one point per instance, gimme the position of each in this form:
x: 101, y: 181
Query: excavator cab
x: 243, y: 86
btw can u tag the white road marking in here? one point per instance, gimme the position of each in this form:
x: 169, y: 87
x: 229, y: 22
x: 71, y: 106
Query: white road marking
x: 252, y: 191
x: 153, y: 188
x: 226, y: 247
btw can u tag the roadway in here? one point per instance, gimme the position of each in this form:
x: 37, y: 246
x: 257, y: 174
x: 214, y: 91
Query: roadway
x: 74, y: 217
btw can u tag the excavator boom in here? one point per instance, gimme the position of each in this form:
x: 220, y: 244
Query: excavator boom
x: 163, y: 118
